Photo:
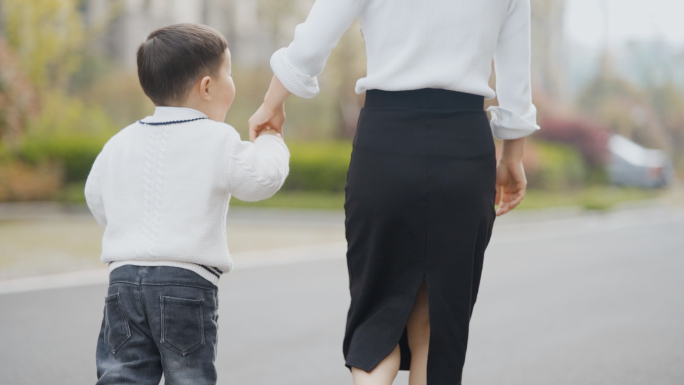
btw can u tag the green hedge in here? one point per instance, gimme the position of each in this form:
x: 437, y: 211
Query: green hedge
x: 314, y: 166
x: 322, y: 166
x: 318, y: 166
x: 68, y: 133
x: 75, y: 155
x: 558, y: 167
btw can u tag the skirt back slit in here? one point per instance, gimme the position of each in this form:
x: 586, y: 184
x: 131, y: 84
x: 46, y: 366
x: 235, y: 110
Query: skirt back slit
x: 419, y: 206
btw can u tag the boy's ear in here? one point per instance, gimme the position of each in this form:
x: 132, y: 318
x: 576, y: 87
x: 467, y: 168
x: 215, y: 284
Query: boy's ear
x: 204, y: 88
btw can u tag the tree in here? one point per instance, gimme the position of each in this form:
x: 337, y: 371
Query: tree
x: 548, y: 46
x: 18, y: 99
x: 668, y: 103
x: 347, y: 63
x: 46, y: 35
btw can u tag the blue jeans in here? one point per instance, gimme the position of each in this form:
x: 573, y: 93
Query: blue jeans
x: 158, y: 319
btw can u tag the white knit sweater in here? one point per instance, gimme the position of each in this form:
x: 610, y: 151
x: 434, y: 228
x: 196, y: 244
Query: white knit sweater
x: 161, y: 191
x: 414, y: 44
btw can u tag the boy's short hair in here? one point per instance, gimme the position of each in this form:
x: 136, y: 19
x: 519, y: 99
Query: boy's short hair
x: 173, y: 58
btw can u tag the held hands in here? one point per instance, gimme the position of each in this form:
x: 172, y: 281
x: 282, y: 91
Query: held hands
x: 267, y: 120
x: 271, y: 114
x: 268, y: 131
x: 510, y: 177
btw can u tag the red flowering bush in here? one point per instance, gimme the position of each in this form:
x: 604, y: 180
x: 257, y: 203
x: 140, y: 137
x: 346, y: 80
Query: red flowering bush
x: 591, y: 140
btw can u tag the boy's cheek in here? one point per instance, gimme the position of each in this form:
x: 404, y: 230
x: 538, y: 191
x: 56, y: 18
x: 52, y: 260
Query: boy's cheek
x: 231, y: 94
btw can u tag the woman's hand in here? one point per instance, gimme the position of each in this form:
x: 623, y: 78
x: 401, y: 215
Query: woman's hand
x: 272, y: 112
x: 510, y: 177
x: 267, y: 117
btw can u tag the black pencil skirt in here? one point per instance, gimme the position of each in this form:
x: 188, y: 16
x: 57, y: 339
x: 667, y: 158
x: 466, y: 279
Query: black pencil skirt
x: 419, y: 206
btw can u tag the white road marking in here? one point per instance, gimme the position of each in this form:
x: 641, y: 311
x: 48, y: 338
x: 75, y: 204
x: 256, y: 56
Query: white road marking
x: 508, y: 233
x: 242, y: 261
x: 54, y: 281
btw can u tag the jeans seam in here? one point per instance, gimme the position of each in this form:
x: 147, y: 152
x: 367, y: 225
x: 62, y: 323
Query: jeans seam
x: 163, y: 284
x: 173, y: 348
x: 142, y: 305
x: 178, y: 284
x: 119, y: 307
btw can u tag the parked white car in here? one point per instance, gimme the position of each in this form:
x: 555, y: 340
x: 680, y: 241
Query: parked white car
x: 633, y: 165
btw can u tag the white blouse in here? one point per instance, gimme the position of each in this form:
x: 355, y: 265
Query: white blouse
x: 414, y: 44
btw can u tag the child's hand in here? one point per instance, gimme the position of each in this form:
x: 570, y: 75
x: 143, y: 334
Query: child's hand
x: 268, y: 131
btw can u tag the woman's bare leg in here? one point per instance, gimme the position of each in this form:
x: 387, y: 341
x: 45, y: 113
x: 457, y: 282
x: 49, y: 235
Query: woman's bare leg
x: 418, y: 330
x: 383, y: 374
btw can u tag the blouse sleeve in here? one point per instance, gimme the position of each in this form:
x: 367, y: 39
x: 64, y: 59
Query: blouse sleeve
x: 515, y: 116
x: 298, y: 65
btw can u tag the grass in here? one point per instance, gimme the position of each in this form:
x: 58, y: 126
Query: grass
x: 298, y: 200
x: 73, y: 193
x: 598, y: 198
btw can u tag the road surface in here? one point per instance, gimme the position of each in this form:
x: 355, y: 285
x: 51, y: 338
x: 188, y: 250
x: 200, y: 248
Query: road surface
x: 590, y: 299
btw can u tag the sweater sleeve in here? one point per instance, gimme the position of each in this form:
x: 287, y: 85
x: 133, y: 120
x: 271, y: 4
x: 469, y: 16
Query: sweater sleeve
x: 298, y: 65
x: 258, y: 170
x: 515, y: 116
x: 93, y: 192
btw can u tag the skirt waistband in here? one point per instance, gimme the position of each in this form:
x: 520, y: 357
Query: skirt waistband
x: 424, y: 99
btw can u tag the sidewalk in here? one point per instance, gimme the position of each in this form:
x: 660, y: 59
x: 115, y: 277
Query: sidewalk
x: 46, y: 238
x: 48, y: 245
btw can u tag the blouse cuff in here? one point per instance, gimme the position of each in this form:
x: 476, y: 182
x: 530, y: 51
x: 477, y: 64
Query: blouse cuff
x: 300, y: 84
x: 506, y: 125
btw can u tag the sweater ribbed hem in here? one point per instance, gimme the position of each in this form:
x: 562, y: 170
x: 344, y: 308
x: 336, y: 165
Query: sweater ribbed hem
x: 205, y: 272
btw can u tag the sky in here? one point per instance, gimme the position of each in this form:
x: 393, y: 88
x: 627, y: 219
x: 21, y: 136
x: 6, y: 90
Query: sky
x: 585, y: 21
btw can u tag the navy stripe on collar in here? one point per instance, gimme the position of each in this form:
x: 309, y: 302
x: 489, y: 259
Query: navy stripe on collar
x: 170, y: 122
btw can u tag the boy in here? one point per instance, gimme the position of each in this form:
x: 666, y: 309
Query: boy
x: 160, y: 188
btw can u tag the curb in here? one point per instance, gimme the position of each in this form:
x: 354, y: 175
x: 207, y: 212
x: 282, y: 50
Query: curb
x: 243, y: 261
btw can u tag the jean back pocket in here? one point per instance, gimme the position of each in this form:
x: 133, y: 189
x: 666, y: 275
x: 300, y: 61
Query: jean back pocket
x: 182, y: 324
x: 116, y: 330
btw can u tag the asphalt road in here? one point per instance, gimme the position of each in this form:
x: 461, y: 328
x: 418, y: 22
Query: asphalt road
x: 594, y: 299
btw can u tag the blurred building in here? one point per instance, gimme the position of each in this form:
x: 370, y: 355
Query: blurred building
x: 549, y: 47
x: 255, y: 28
x: 251, y: 27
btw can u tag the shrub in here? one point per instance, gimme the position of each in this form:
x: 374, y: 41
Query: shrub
x: 556, y: 167
x: 322, y: 166
x: 316, y: 166
x: 5, y: 154
x: 74, y: 155
x: 67, y: 133
x: 21, y: 182
x: 18, y: 98
x: 591, y: 140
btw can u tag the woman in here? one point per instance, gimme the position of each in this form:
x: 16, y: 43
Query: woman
x: 423, y: 178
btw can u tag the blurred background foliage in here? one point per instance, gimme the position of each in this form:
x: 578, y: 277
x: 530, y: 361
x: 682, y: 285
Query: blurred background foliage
x: 68, y: 83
